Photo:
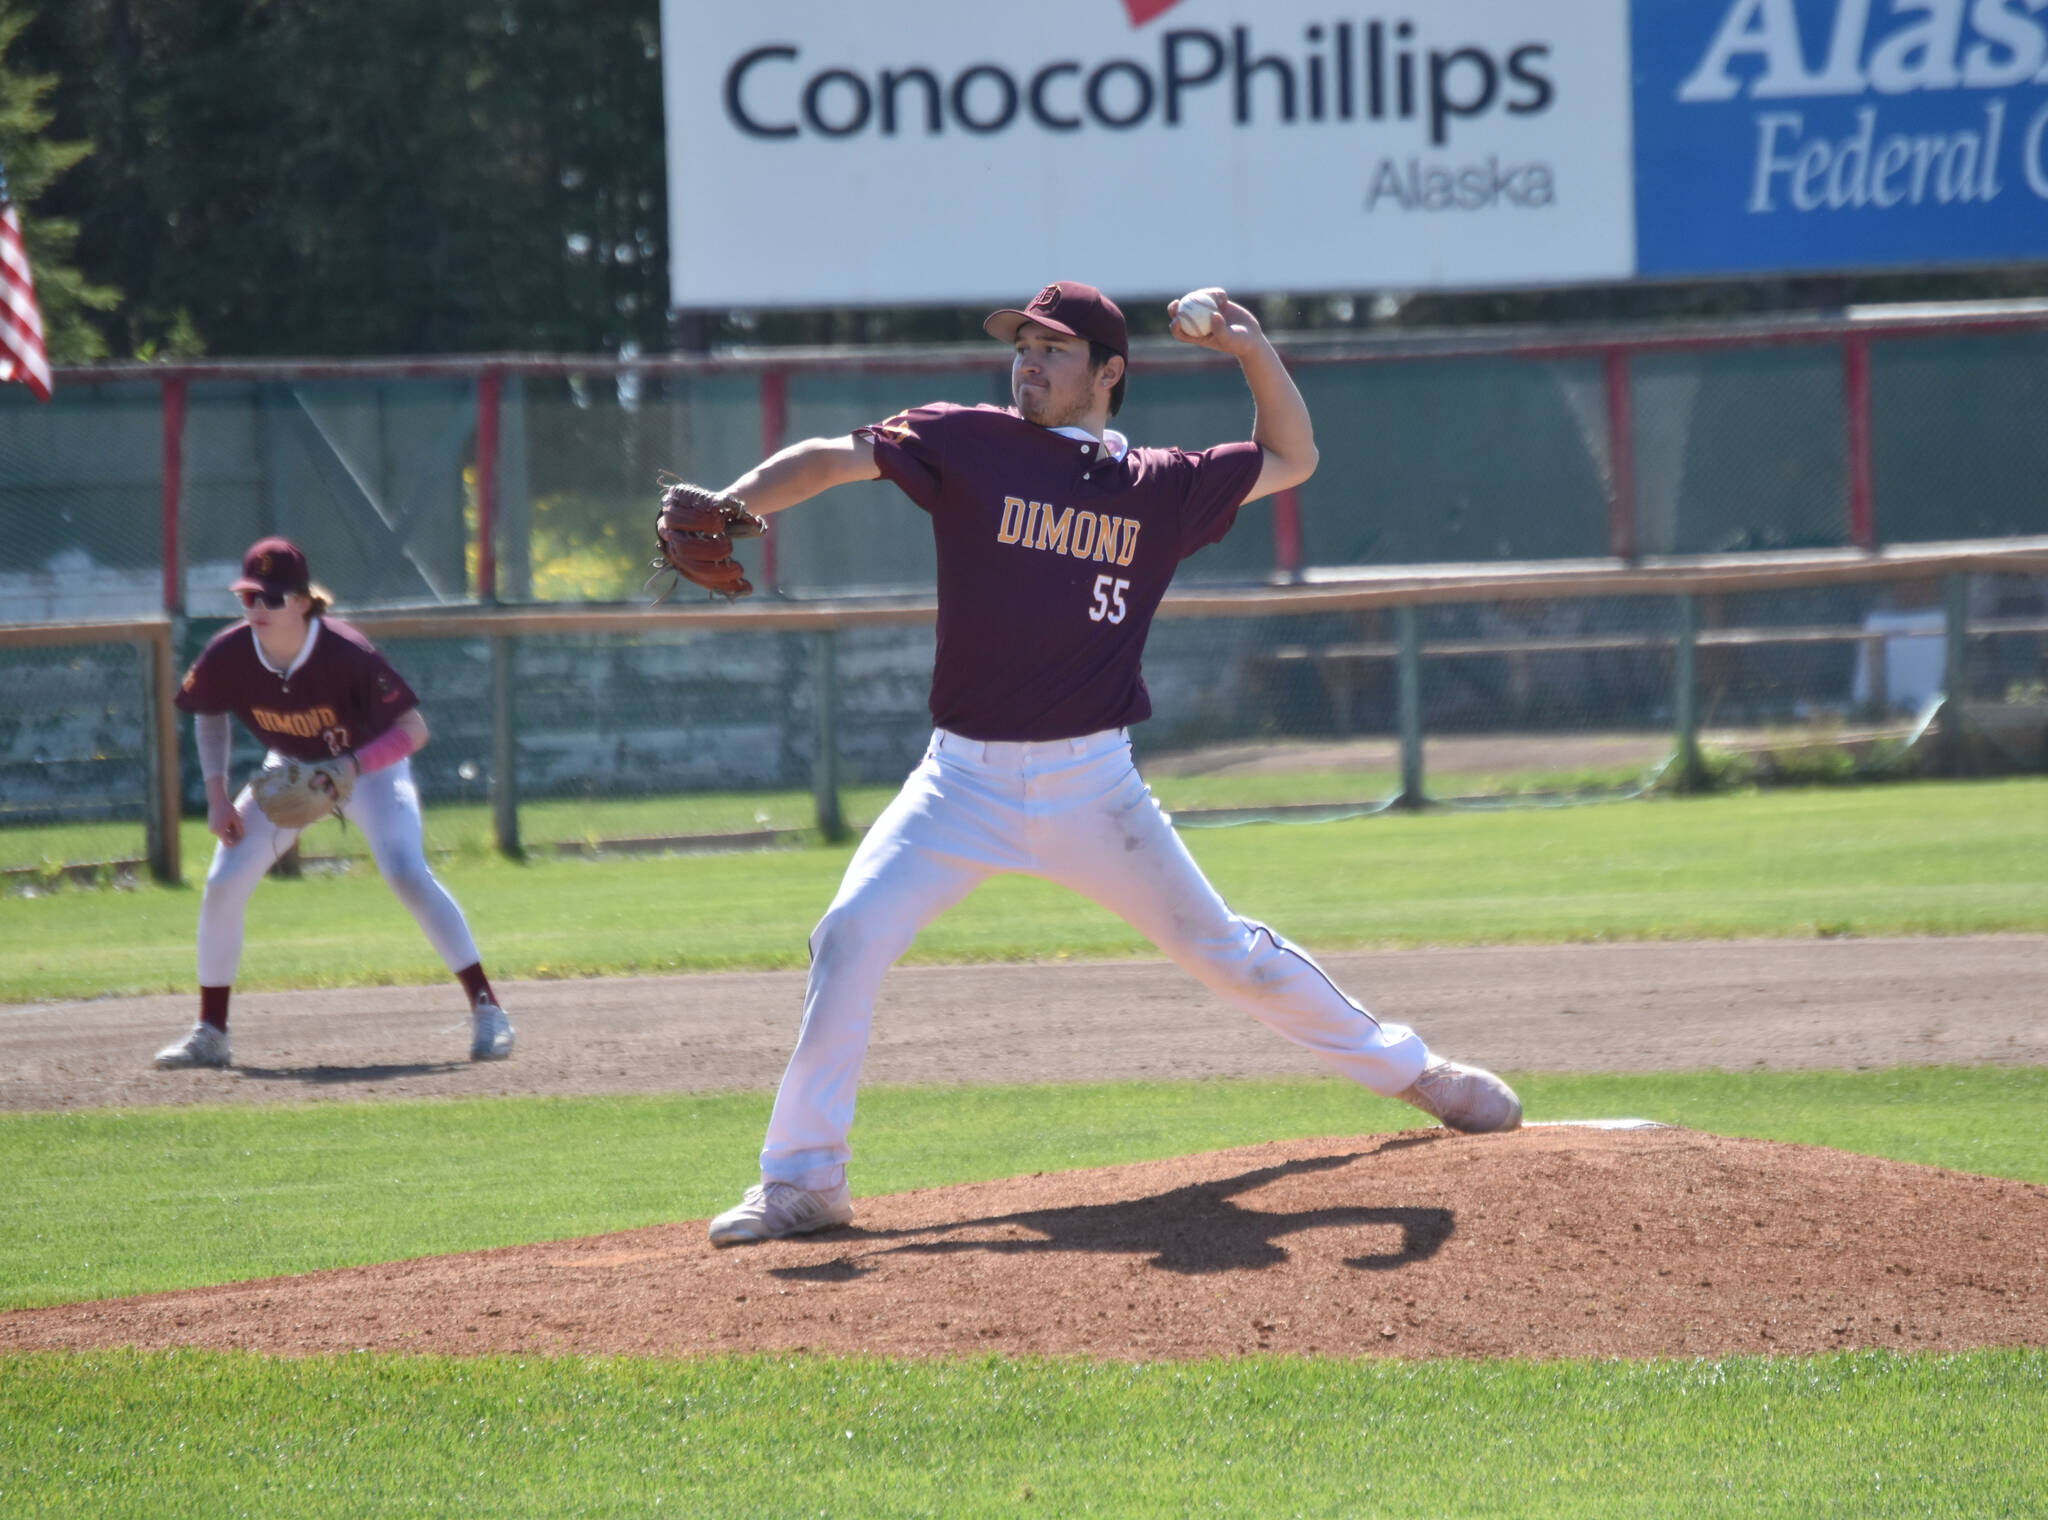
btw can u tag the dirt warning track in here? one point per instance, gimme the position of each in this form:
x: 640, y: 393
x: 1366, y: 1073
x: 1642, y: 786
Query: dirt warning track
x: 1737, y: 1005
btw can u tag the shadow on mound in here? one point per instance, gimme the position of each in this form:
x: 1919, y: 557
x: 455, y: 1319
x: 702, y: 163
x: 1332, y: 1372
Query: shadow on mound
x: 1198, y: 1228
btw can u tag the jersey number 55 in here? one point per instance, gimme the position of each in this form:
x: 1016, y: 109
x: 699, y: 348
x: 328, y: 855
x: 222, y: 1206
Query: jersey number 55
x: 1109, y: 600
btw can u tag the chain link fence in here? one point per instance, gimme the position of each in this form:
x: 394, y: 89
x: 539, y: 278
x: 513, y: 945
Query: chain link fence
x: 1456, y: 461
x: 2003, y: 674
x: 630, y: 732
x: 86, y: 753
x: 1957, y: 441
x: 1739, y: 450
x: 72, y: 744
x: 1458, y: 452
x: 1435, y: 450
x: 81, y: 533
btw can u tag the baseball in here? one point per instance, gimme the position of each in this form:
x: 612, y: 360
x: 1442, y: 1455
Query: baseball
x: 1195, y: 314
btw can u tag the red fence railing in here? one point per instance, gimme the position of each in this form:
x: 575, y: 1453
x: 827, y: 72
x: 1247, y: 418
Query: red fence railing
x: 1616, y: 351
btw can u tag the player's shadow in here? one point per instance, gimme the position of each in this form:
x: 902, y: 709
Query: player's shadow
x: 1192, y: 1230
x: 334, y: 1076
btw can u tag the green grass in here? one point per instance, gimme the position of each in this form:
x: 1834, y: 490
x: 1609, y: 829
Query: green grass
x: 1292, y: 788
x: 104, y: 1202
x: 465, y: 828
x: 193, y: 1434
x: 1940, y: 858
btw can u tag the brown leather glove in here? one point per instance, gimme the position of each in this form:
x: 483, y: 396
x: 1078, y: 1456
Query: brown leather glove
x: 695, y: 532
x: 296, y: 795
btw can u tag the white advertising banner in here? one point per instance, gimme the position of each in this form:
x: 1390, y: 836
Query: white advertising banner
x: 836, y: 152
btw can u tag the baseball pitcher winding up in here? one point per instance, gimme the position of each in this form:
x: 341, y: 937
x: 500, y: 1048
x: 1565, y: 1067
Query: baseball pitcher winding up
x: 1056, y: 540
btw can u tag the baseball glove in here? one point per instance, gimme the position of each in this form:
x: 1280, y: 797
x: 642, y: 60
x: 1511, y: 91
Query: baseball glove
x: 694, y: 533
x: 297, y: 795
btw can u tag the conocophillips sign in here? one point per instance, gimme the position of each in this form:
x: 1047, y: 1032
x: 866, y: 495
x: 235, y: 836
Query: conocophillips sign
x: 825, y: 151
x: 830, y: 150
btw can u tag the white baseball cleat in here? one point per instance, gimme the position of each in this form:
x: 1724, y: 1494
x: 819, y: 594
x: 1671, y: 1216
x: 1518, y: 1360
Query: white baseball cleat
x: 1469, y: 1099
x: 771, y: 1210
x: 204, y: 1046
x: 490, y: 1032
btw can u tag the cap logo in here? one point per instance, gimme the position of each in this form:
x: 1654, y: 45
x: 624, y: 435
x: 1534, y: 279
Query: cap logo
x: 1046, y: 299
x: 263, y: 565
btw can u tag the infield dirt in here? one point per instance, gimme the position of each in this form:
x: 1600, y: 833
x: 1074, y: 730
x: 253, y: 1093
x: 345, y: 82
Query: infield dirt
x: 1548, y: 1242
x: 1844, y: 1004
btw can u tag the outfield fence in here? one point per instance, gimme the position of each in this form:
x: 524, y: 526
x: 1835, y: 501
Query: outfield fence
x: 87, y: 730
x: 619, y: 728
x: 520, y: 478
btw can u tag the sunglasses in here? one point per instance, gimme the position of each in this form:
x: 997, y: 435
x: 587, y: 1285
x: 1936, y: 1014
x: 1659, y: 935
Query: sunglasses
x: 271, y: 599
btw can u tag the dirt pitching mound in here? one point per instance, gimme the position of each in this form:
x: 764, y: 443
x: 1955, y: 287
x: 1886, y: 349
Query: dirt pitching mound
x: 1548, y: 1242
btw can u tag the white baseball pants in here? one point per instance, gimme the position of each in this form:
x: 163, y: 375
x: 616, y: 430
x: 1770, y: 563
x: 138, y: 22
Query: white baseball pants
x: 1076, y: 812
x: 386, y: 807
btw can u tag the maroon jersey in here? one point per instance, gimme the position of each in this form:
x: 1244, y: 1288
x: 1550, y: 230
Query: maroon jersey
x: 1052, y: 560
x: 341, y: 695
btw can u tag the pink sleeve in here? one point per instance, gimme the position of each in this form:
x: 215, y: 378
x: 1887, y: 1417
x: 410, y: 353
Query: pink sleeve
x: 388, y: 748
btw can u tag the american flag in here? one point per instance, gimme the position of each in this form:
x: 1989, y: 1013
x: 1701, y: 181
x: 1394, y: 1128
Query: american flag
x: 21, y: 324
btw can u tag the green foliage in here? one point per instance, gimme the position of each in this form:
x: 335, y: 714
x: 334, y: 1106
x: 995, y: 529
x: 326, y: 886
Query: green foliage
x: 165, y: 336
x: 581, y: 553
x: 34, y: 160
x: 578, y: 554
x: 1800, y: 761
x: 369, y: 176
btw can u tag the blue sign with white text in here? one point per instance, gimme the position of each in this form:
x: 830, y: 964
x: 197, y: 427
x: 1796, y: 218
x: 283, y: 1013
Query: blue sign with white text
x: 1839, y: 134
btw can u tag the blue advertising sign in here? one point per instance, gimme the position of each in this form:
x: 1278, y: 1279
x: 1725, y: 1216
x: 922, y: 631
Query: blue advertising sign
x: 1839, y: 134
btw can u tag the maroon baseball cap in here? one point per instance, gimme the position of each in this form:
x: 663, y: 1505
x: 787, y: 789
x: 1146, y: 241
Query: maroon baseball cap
x: 273, y: 565
x: 1066, y: 306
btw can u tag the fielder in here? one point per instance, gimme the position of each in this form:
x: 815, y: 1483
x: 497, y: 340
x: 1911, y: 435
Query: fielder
x: 1056, y: 540
x: 340, y: 726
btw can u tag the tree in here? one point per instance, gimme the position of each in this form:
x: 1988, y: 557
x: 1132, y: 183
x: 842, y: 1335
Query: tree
x: 33, y: 161
x: 373, y: 176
